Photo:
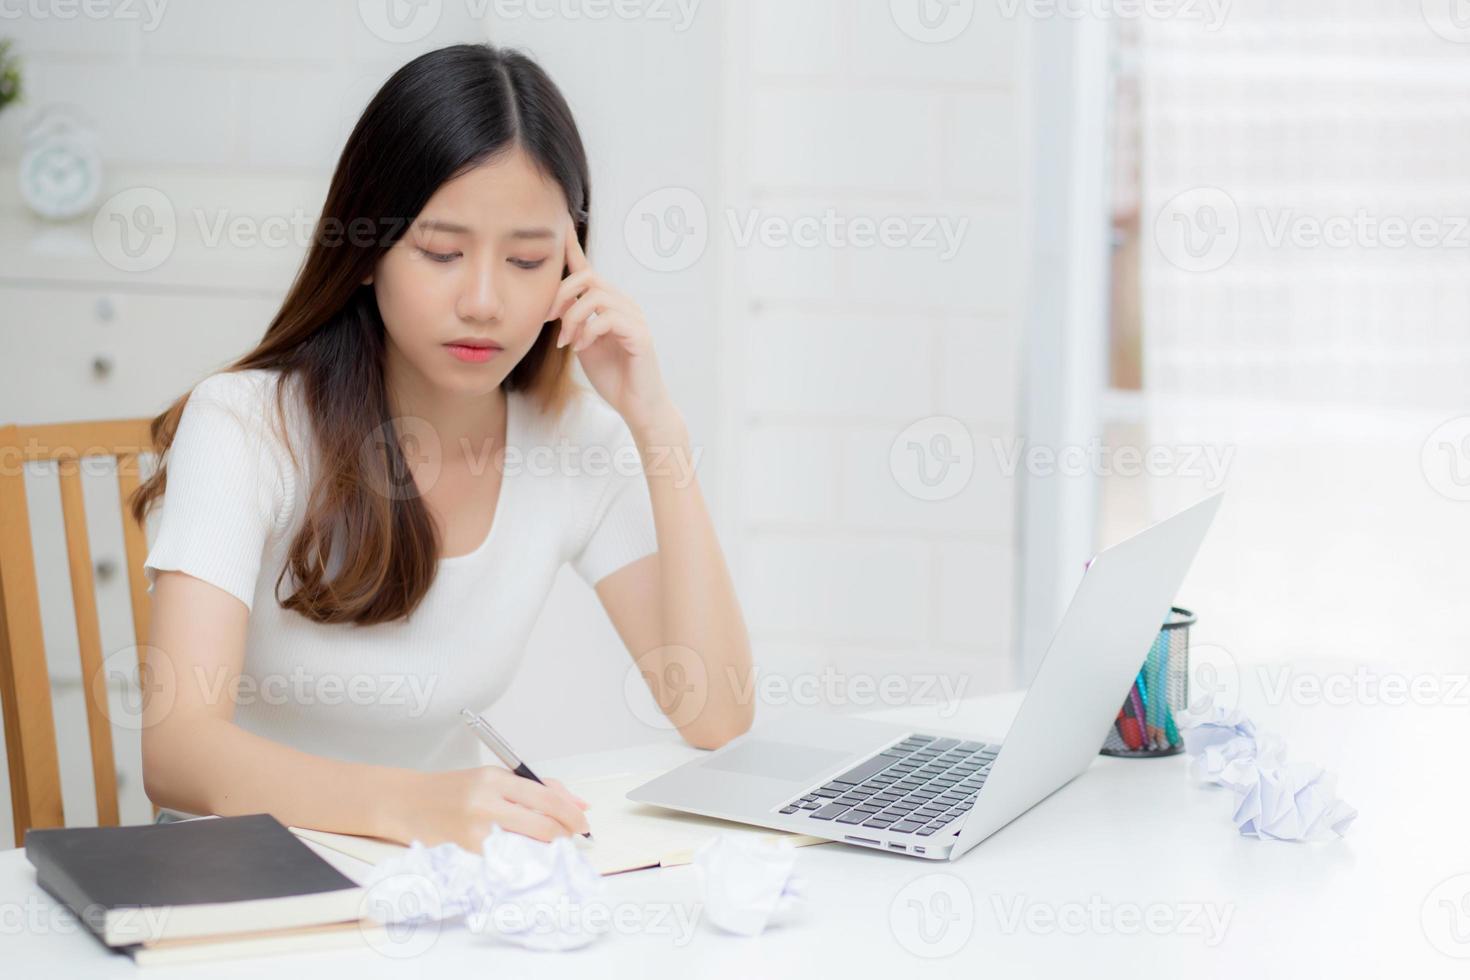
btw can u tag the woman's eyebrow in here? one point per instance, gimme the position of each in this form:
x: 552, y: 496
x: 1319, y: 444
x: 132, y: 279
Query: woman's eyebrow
x: 435, y: 224
x: 519, y: 234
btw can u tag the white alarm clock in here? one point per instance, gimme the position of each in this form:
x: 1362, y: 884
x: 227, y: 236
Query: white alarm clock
x: 60, y: 167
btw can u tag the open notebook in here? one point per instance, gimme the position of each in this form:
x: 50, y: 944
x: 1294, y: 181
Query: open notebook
x: 628, y: 835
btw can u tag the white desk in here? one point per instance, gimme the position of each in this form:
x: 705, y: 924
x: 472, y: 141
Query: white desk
x: 1129, y: 834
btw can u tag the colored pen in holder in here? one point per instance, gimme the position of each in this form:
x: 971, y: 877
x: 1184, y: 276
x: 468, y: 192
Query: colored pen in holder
x: 1145, y: 724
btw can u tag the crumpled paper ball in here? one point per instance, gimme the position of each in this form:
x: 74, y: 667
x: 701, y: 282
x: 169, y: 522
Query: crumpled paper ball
x: 1274, y: 799
x: 426, y: 883
x: 748, y: 883
x: 1296, y: 801
x: 525, y: 891
x: 541, y: 893
x: 1219, y: 740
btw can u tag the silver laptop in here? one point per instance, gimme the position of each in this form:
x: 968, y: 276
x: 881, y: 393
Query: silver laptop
x: 935, y: 795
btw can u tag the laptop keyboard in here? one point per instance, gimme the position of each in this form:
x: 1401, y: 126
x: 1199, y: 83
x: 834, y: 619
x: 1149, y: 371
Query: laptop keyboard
x: 919, y: 785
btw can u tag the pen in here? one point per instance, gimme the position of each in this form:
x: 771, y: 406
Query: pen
x: 502, y: 749
x: 1135, y: 694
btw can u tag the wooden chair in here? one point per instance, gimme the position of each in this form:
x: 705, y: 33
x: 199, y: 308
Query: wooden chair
x: 25, y: 689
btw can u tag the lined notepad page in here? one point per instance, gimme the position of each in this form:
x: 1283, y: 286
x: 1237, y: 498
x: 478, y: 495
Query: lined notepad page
x: 628, y: 835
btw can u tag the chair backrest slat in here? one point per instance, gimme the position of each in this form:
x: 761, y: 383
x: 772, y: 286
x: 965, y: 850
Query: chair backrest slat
x: 25, y: 685
x: 89, y: 640
x: 135, y: 551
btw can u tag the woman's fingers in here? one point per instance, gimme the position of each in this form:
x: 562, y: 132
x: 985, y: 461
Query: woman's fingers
x: 575, y: 798
x: 544, y: 799
x: 573, y: 318
x: 521, y: 820
x: 576, y: 258
x: 570, y: 289
x: 596, y: 300
x: 579, y: 317
x: 591, y: 330
x: 579, y: 278
x: 588, y: 307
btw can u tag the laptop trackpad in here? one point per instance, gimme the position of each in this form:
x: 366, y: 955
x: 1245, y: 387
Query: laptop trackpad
x: 775, y: 760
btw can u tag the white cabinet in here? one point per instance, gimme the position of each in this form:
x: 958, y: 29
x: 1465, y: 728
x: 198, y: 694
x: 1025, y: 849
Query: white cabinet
x: 72, y: 354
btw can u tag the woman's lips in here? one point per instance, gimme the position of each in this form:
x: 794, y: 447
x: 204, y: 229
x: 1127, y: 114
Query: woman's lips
x: 474, y: 355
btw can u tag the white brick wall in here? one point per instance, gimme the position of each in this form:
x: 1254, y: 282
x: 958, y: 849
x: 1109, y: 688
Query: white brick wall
x: 835, y: 349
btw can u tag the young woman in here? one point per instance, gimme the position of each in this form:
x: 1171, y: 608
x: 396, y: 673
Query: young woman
x: 362, y: 517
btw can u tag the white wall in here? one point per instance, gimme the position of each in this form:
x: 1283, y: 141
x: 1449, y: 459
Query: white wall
x: 833, y: 352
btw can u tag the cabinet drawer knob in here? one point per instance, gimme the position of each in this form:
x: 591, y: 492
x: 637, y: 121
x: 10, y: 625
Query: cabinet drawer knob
x: 102, y: 366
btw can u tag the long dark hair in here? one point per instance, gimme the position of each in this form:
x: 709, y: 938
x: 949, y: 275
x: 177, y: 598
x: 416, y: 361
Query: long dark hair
x: 441, y: 114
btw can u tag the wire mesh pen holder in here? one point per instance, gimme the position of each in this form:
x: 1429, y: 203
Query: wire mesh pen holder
x: 1145, y: 724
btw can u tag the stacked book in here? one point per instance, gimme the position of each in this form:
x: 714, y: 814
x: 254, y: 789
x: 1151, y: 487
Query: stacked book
x: 203, y: 889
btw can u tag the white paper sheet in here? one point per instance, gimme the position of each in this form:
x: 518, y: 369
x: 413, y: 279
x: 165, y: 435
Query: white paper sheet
x: 627, y: 835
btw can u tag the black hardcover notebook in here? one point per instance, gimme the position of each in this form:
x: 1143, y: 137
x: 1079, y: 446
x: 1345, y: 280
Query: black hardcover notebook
x: 210, y: 877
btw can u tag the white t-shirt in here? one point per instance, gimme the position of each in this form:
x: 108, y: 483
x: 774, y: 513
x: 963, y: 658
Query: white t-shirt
x: 390, y: 694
